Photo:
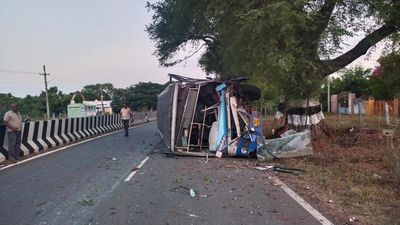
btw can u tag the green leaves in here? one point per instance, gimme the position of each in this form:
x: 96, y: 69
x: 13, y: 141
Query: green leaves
x: 95, y: 91
x: 176, y: 24
x: 139, y: 97
x: 385, y: 80
x: 289, y: 43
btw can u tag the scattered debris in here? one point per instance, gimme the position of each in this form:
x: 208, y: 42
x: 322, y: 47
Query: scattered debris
x: 203, y: 196
x: 114, y: 159
x: 181, y: 187
x: 330, y: 201
x: 280, y: 169
x: 87, y: 202
x: 291, y: 144
x: 193, y: 215
x: 377, y: 176
x: 387, y: 133
x: 263, y: 168
x: 192, y: 193
x: 207, y: 178
x: 288, y: 170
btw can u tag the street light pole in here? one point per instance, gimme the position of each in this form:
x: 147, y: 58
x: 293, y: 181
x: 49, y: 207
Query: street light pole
x: 329, y: 95
x: 102, y: 105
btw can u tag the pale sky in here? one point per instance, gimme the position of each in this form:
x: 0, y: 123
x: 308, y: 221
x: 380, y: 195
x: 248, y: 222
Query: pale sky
x: 82, y: 42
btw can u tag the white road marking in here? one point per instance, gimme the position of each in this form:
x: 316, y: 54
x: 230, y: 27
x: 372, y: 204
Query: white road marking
x: 136, y: 169
x: 317, y: 215
x: 65, y: 147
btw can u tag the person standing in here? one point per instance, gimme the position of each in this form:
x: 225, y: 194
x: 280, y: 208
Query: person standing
x: 126, y: 115
x: 13, y: 122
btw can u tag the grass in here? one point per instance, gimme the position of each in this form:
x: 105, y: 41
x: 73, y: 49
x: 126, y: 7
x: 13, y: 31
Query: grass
x: 357, y: 169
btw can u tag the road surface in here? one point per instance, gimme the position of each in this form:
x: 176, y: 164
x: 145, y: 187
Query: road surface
x: 87, y: 184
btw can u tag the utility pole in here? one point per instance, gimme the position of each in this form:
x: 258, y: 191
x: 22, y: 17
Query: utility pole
x: 44, y: 74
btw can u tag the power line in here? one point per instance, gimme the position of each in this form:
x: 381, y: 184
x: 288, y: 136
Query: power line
x: 15, y: 71
x: 1, y: 82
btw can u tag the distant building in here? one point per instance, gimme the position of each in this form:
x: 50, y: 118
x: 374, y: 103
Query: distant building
x: 89, y: 108
x: 99, y: 107
x: 347, y: 103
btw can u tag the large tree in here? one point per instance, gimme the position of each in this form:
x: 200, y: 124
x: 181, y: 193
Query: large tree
x: 385, y: 80
x: 354, y: 80
x: 139, y: 97
x: 291, y: 44
x: 95, y: 91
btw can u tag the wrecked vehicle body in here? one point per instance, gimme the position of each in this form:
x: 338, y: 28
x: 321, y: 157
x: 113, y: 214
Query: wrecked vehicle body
x: 200, y: 117
x: 209, y: 117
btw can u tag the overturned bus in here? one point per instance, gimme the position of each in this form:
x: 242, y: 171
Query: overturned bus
x: 200, y: 117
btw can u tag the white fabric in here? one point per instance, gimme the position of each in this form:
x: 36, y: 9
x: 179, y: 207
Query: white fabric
x: 126, y: 113
x: 14, y: 120
x: 299, y: 120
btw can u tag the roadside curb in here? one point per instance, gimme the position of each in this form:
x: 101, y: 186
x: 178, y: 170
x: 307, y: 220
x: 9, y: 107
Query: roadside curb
x: 54, y: 150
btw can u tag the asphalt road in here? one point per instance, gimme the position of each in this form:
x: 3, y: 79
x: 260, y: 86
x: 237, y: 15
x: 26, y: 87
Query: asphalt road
x: 85, y: 184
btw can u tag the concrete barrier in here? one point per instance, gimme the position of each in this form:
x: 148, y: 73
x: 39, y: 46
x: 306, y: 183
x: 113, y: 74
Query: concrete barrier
x: 41, y: 135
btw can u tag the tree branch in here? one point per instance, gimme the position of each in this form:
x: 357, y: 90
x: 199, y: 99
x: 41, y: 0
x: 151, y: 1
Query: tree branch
x: 320, y: 22
x: 323, y: 16
x: 331, y: 66
x: 185, y: 58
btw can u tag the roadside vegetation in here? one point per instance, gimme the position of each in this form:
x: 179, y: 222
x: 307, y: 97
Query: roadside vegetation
x: 355, y: 175
x: 140, y: 97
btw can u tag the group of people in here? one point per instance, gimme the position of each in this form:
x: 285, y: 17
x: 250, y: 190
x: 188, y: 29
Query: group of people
x: 13, y: 122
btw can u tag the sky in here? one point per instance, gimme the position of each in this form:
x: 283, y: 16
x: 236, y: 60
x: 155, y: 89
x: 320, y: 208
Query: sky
x: 84, y: 42
x: 80, y: 42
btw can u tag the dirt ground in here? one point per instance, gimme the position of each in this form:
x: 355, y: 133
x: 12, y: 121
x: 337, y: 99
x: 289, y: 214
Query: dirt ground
x: 353, y: 176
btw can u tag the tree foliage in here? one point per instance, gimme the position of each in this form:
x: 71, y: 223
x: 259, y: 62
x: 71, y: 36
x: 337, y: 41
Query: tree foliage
x: 142, y: 96
x: 290, y: 44
x: 385, y: 81
x: 354, y: 80
x: 95, y: 91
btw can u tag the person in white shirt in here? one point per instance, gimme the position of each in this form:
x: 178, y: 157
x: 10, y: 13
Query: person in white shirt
x: 13, y: 122
x: 126, y: 115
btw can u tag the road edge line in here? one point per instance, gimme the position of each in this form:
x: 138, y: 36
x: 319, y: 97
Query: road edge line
x: 65, y: 147
x: 136, y: 169
x: 317, y: 215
